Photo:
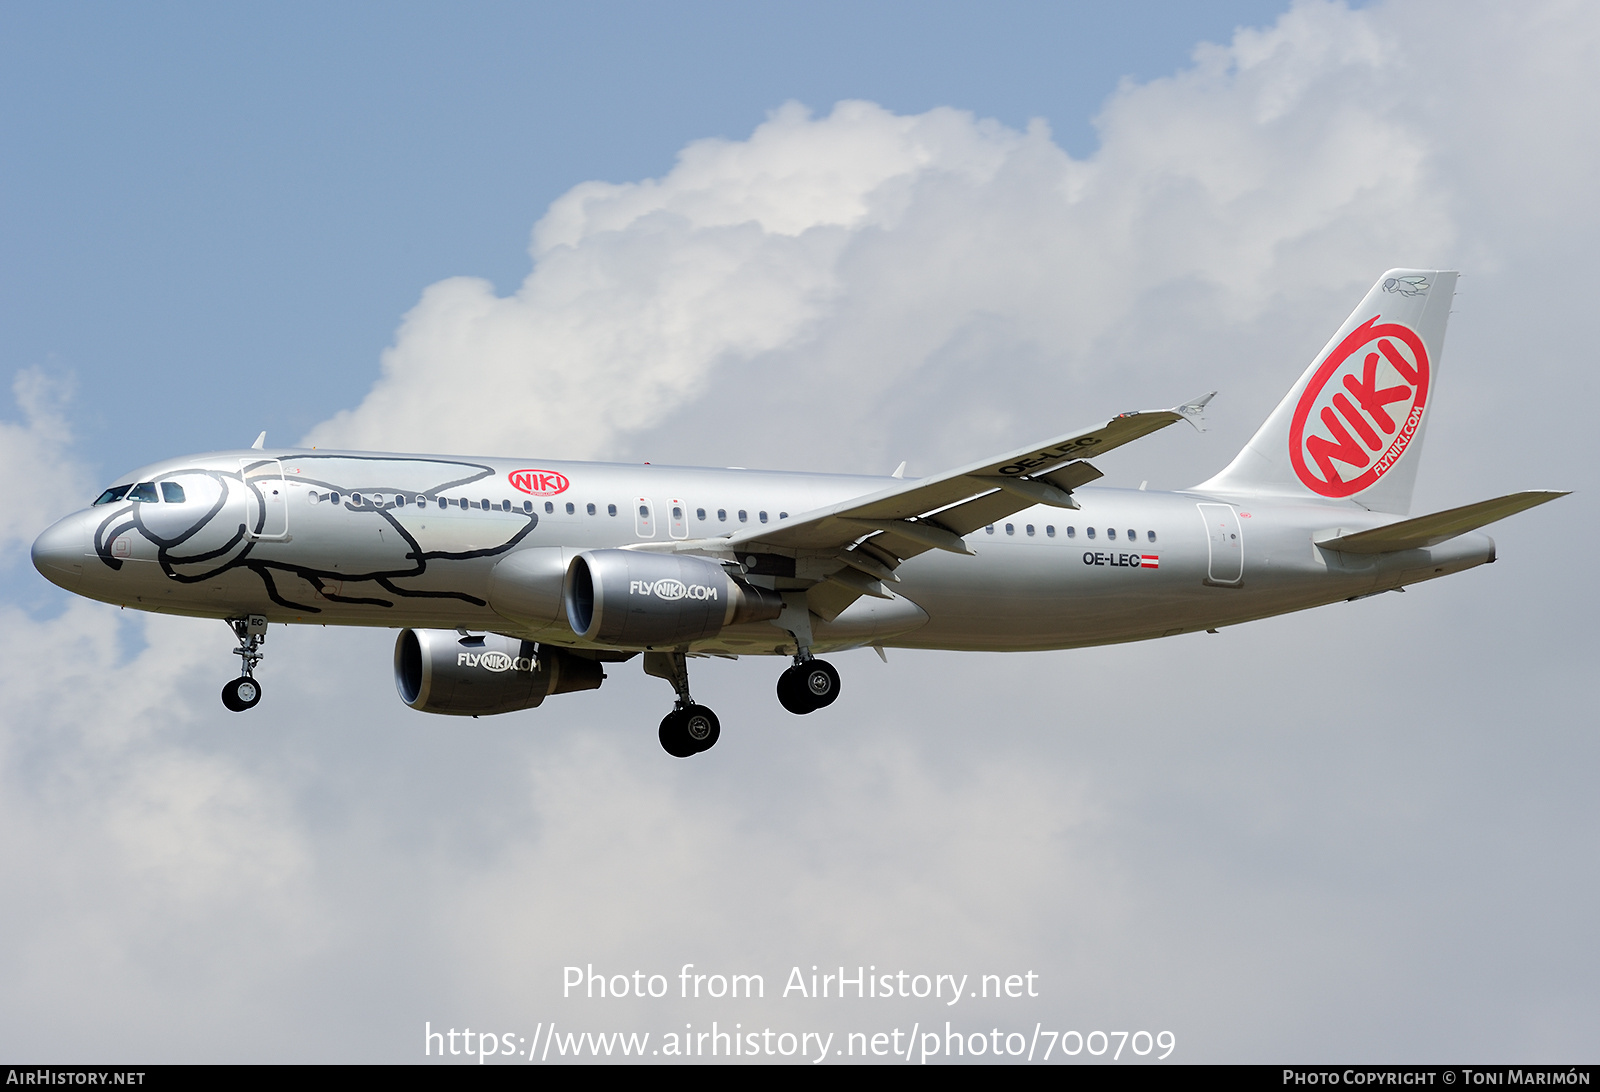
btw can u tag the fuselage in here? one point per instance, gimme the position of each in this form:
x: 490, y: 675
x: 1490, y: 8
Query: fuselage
x: 356, y: 538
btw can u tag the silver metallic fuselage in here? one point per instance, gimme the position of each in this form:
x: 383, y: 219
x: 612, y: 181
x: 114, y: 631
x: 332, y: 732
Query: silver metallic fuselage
x: 260, y: 533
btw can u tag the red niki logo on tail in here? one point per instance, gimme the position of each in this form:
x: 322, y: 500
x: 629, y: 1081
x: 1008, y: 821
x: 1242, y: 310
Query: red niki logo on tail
x: 541, y: 483
x: 1360, y: 410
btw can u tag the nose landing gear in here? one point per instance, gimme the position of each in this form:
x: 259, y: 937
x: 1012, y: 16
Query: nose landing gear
x: 244, y: 692
x: 808, y: 686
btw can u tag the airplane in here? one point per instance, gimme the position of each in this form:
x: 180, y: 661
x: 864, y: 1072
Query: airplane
x: 514, y: 580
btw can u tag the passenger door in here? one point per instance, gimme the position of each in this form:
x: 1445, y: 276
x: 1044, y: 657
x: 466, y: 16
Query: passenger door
x: 1225, y: 539
x: 263, y: 479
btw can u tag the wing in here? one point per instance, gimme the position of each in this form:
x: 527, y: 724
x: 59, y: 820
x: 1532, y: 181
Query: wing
x: 849, y: 549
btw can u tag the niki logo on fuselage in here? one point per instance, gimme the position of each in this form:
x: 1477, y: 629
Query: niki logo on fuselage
x: 1360, y: 410
x: 540, y: 483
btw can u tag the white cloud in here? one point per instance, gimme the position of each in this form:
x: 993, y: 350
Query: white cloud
x: 39, y: 448
x: 826, y: 263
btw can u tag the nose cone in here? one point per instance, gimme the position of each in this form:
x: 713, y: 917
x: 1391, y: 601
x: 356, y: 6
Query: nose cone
x: 58, y: 554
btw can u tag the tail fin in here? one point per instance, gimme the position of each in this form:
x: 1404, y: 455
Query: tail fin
x: 1352, y: 426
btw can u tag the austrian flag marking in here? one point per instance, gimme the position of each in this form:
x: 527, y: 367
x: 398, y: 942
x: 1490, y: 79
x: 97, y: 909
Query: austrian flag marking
x: 1360, y: 410
x: 1149, y: 561
x: 540, y: 483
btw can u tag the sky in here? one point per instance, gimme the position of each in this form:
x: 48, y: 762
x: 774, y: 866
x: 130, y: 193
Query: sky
x: 827, y: 237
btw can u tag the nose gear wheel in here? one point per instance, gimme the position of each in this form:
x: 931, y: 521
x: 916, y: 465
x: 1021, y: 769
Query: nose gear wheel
x: 241, y: 694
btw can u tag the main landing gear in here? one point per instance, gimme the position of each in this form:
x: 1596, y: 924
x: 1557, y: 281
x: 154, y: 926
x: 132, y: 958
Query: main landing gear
x: 244, y: 692
x: 809, y: 685
x: 689, y: 728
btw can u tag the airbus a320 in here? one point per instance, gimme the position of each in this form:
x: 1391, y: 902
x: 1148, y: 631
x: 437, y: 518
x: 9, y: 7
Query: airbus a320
x: 512, y: 580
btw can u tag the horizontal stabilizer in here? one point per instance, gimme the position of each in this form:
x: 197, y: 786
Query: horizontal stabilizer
x: 1414, y: 534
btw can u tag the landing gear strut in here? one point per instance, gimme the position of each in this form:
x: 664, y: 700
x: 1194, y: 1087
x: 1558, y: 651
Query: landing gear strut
x: 809, y: 685
x: 689, y: 728
x: 244, y: 692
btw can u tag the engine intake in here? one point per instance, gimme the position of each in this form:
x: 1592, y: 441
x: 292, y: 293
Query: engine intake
x: 636, y: 599
x: 439, y: 671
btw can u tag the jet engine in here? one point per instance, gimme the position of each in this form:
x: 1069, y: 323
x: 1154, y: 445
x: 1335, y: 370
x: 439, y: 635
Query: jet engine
x: 633, y: 599
x: 440, y: 671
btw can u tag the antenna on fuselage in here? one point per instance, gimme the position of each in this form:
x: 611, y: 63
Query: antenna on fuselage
x: 260, y: 441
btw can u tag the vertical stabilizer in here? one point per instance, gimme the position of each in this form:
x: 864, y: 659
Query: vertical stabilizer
x: 1351, y: 427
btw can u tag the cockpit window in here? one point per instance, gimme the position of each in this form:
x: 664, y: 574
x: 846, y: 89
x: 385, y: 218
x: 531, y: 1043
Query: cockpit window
x: 172, y: 492
x: 144, y: 491
x: 115, y: 493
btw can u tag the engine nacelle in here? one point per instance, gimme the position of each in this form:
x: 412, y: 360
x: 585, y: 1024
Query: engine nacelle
x: 636, y: 599
x: 440, y: 671
x: 526, y: 587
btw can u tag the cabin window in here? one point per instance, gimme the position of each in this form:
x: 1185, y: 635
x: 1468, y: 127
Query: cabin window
x: 115, y: 493
x: 722, y: 515
x: 1133, y: 536
x: 484, y: 505
x: 644, y: 511
x: 677, y: 513
x: 1089, y: 531
x: 1049, y: 530
x: 334, y: 497
x: 989, y: 530
x: 744, y: 517
x: 1111, y: 533
x: 549, y: 508
x: 783, y: 515
x: 399, y: 500
x: 762, y: 516
x: 1011, y: 528
x: 1072, y: 532
x: 355, y: 499
x: 1029, y: 529
x: 590, y: 509
x: 527, y: 507
x: 144, y: 491
x: 377, y: 499
x: 611, y: 509
x: 172, y: 492
x: 571, y: 509
x: 700, y: 514
x: 1151, y: 535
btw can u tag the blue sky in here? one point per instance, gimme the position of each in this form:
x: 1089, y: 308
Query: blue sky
x: 223, y: 210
